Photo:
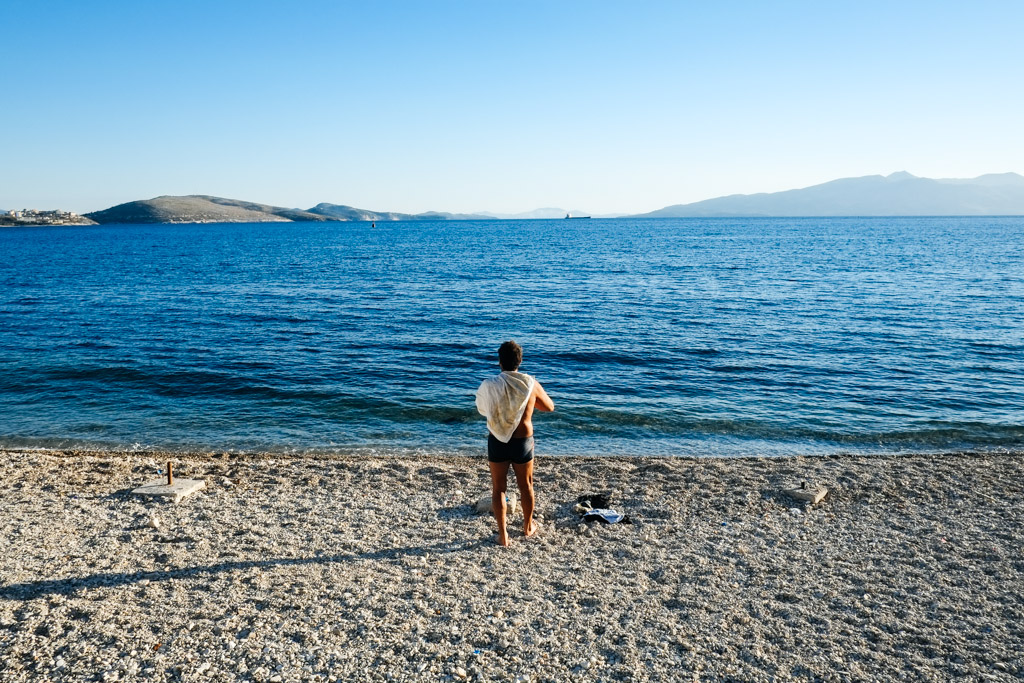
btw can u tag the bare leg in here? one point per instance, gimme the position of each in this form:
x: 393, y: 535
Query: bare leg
x: 524, y: 479
x: 499, y: 482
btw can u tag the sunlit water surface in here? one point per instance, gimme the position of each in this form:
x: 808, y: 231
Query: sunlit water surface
x: 665, y: 337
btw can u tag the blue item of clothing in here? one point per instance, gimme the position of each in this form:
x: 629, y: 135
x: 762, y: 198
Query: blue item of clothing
x: 516, y: 451
x: 603, y: 515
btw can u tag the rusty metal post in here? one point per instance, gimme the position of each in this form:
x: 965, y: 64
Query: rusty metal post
x: 170, y: 474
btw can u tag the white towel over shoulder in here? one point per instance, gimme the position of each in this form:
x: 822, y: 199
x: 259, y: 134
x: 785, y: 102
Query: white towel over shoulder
x: 502, y: 400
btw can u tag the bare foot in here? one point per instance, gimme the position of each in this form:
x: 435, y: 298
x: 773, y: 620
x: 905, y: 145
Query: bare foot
x: 532, y: 529
x: 502, y: 540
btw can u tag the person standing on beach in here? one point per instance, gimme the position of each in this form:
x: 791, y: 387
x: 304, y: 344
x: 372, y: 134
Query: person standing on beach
x: 508, y: 401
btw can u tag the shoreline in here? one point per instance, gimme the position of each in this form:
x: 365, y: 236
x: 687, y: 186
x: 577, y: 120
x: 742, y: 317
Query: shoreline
x: 297, y: 568
x: 242, y: 454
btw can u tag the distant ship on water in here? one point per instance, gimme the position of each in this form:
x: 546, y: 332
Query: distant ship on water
x: 569, y: 215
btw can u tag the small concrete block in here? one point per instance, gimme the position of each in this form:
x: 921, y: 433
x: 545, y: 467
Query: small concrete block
x: 483, y: 505
x: 810, y: 494
x: 158, y: 488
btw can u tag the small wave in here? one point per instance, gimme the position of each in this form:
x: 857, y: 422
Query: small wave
x: 735, y: 368
x: 88, y: 344
x: 605, y: 357
x: 262, y: 318
x: 180, y: 383
x: 702, y: 352
x: 993, y: 345
x: 636, y: 424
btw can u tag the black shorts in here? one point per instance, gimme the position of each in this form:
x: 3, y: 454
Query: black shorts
x: 516, y: 451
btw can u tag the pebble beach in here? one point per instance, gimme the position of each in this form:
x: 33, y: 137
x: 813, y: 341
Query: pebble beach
x: 380, y: 568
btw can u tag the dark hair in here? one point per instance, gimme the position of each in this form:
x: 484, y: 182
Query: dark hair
x: 510, y: 355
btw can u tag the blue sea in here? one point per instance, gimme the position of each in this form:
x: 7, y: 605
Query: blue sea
x: 715, y: 337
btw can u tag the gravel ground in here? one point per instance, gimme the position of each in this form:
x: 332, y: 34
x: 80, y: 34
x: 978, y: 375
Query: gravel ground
x: 373, y: 568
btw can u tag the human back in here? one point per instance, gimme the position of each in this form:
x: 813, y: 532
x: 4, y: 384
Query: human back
x: 509, y: 399
x: 539, y: 399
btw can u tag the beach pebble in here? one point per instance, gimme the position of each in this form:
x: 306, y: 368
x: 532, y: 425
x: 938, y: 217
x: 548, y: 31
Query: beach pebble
x: 154, y: 522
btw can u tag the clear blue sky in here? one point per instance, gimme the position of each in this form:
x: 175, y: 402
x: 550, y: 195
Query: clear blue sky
x: 465, y: 106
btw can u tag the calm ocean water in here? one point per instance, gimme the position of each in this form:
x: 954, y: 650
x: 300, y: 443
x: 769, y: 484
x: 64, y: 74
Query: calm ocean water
x: 688, y: 337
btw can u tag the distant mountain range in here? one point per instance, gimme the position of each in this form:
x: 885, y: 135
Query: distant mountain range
x: 899, y: 194
x: 340, y: 212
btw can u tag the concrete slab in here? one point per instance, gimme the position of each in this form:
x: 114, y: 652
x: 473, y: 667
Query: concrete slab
x: 810, y: 494
x: 158, y: 488
x: 483, y: 504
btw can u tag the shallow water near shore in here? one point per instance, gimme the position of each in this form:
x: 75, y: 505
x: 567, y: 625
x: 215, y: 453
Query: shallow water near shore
x: 654, y: 337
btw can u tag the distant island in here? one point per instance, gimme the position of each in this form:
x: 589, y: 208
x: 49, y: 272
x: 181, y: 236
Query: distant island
x: 898, y: 194
x: 206, y: 209
x: 340, y: 212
